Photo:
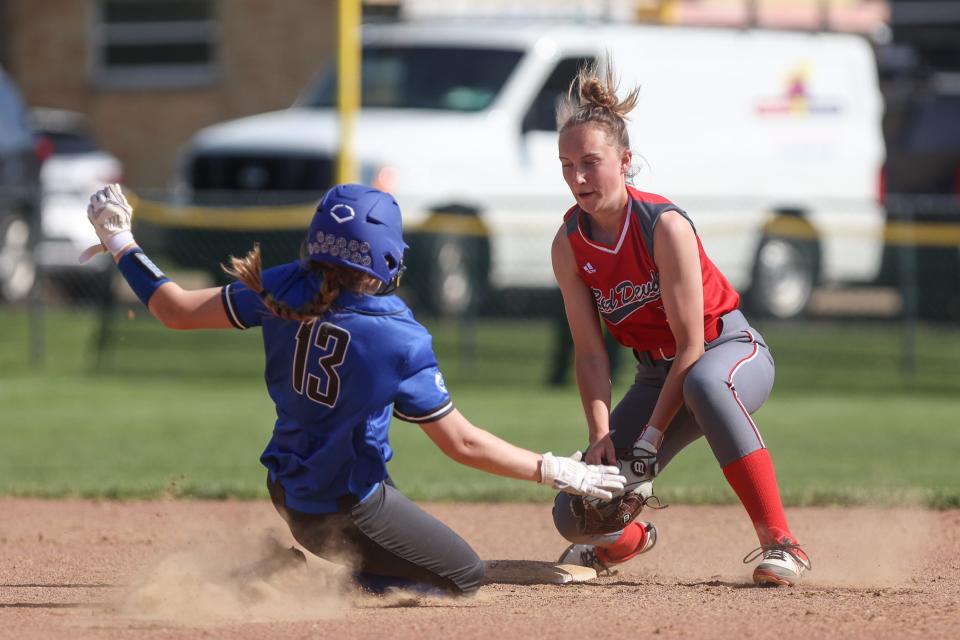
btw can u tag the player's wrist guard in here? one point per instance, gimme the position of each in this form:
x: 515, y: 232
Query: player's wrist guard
x: 141, y: 274
x: 117, y: 242
x: 650, y: 435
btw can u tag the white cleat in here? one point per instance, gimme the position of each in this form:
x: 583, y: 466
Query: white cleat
x: 782, y: 565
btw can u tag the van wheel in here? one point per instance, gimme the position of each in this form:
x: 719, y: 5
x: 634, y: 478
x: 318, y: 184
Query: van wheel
x: 448, y: 273
x: 784, y: 276
x: 17, y: 269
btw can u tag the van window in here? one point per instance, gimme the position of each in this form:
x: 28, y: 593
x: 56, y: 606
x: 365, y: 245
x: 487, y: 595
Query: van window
x: 442, y: 78
x: 542, y: 115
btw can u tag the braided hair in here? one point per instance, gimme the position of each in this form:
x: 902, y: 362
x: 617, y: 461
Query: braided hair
x: 333, y: 278
x: 592, y: 98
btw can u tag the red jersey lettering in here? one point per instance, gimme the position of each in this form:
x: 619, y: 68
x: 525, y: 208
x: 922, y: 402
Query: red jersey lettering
x: 625, y: 280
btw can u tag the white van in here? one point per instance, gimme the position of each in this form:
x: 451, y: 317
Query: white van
x: 771, y: 140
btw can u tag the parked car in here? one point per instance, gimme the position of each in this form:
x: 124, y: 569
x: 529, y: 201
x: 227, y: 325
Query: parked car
x: 20, y: 158
x: 771, y: 140
x: 922, y: 173
x: 75, y: 168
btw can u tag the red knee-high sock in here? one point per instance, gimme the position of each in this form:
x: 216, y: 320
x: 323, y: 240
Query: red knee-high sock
x: 755, y: 483
x: 626, y: 545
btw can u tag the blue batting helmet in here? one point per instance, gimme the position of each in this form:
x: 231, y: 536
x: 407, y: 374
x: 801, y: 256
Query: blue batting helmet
x: 358, y: 227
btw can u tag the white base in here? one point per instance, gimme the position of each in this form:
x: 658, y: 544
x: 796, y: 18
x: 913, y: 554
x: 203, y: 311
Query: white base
x: 536, y: 572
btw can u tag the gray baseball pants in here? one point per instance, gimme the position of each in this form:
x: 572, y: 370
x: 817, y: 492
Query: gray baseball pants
x: 389, y: 540
x: 729, y: 382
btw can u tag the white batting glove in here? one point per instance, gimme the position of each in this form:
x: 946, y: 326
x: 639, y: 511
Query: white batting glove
x: 111, y: 216
x: 573, y: 476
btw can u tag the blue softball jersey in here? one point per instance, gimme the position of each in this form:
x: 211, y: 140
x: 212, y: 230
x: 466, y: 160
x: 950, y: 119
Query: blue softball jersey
x: 335, y: 382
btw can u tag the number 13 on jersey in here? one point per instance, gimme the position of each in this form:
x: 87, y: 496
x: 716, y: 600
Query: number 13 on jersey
x: 332, y: 342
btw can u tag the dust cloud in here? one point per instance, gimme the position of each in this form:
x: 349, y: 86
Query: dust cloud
x: 864, y: 547
x: 255, y: 580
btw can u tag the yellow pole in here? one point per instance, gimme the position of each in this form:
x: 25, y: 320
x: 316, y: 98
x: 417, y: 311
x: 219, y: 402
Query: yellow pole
x: 348, y: 85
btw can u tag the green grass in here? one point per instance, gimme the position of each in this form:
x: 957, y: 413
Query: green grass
x: 186, y: 414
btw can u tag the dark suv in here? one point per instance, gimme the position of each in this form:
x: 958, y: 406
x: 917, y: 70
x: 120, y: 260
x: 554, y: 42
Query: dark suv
x: 21, y: 154
x: 920, y: 79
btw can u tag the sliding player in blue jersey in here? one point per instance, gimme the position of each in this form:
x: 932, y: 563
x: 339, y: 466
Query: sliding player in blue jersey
x: 342, y: 355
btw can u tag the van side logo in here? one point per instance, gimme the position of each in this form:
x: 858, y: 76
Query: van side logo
x: 346, y: 213
x: 797, y: 98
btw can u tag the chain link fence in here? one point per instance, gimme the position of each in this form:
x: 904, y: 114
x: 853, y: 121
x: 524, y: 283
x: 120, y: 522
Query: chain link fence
x: 905, y: 322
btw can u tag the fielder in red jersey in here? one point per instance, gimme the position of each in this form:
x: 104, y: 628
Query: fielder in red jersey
x: 625, y: 281
x: 634, y: 260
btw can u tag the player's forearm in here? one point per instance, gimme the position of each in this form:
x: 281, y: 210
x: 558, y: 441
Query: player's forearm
x: 485, y: 451
x: 593, y: 382
x: 472, y: 446
x: 172, y: 306
x: 671, y: 396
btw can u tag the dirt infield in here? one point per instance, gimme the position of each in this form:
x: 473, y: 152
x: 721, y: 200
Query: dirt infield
x: 174, y: 569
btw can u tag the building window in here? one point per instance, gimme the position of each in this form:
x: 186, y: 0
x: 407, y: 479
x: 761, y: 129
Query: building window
x: 155, y: 43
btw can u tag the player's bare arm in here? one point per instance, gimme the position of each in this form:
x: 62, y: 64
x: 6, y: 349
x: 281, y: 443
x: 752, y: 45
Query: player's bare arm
x: 179, y: 308
x: 468, y: 444
x: 472, y: 446
x: 592, y: 364
x: 681, y: 289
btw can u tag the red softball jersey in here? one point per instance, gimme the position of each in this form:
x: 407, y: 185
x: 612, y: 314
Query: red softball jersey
x: 625, y: 280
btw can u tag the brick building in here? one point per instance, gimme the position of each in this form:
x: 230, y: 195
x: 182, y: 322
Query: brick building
x: 149, y: 73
